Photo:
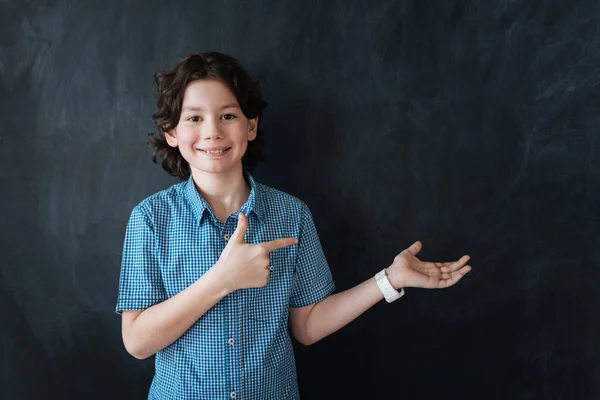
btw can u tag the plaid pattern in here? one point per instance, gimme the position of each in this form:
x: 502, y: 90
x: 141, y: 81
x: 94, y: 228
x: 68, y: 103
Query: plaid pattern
x: 241, y: 348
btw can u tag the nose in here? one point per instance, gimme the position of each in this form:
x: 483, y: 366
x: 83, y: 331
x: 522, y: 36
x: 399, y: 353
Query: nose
x: 211, y: 129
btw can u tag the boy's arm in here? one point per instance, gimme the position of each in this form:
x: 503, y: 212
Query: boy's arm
x: 312, y: 323
x: 147, y: 331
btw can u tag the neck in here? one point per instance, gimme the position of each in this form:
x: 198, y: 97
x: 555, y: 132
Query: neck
x: 224, y: 191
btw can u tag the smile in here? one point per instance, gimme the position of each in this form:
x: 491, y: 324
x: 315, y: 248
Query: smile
x: 215, y: 152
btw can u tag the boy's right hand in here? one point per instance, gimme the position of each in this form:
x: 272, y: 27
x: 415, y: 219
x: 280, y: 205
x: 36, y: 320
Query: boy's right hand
x: 246, y: 265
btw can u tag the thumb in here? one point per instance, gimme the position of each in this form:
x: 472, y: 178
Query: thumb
x: 415, y: 248
x: 240, y: 230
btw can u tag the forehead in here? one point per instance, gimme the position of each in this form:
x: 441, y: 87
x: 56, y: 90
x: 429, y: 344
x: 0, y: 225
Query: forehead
x: 207, y: 93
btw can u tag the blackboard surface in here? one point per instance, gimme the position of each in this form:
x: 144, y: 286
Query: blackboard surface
x: 470, y: 125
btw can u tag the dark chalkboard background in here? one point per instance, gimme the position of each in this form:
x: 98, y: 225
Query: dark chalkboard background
x: 470, y: 125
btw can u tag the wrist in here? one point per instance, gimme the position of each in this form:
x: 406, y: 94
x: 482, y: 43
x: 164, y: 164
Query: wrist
x: 221, y: 278
x: 395, y: 278
x: 389, y: 291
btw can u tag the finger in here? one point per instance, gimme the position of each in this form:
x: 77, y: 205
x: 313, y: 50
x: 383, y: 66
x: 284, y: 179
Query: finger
x: 443, y: 264
x: 455, y: 276
x: 279, y: 243
x: 240, y: 230
x: 464, y: 270
x: 444, y: 267
x: 456, y: 265
x: 415, y: 248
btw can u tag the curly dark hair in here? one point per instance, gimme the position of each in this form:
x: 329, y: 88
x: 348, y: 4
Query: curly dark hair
x: 171, y: 84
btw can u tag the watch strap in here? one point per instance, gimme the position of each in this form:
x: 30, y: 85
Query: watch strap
x: 386, y: 287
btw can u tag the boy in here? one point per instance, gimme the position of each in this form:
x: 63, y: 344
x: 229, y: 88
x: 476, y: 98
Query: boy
x: 220, y: 271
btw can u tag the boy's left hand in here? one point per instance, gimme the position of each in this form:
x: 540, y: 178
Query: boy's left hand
x: 408, y: 271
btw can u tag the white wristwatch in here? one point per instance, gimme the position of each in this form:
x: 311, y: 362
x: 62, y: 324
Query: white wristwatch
x: 386, y: 287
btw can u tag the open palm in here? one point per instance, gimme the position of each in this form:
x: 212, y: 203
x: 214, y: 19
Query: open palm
x: 408, y: 271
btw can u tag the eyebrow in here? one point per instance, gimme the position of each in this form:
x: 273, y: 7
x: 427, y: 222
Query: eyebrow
x: 195, y: 108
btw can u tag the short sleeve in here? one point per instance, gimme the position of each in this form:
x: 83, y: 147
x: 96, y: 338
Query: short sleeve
x: 312, y: 277
x: 140, y: 283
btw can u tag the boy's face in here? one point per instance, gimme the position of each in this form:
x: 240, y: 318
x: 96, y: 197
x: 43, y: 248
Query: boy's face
x: 211, y: 120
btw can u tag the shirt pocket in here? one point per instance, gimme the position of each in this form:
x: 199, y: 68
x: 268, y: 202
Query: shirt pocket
x: 185, y: 265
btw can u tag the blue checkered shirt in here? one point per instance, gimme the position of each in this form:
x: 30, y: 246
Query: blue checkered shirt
x: 241, y: 348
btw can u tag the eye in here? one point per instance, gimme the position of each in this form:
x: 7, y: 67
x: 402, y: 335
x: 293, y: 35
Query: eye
x: 228, y: 116
x: 194, y: 118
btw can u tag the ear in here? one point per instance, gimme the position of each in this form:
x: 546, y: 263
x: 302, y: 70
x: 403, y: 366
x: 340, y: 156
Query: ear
x: 171, y: 137
x: 252, y: 128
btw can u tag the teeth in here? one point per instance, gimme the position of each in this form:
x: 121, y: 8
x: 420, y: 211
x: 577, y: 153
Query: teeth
x: 214, y: 151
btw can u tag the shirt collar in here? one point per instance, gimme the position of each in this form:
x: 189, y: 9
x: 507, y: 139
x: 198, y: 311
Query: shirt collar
x: 253, y: 204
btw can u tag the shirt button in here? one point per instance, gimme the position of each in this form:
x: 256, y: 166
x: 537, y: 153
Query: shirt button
x: 271, y: 268
x: 233, y: 394
x: 226, y: 237
x: 231, y: 341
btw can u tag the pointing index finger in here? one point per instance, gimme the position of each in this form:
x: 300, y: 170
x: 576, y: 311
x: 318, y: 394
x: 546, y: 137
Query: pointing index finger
x: 279, y: 243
